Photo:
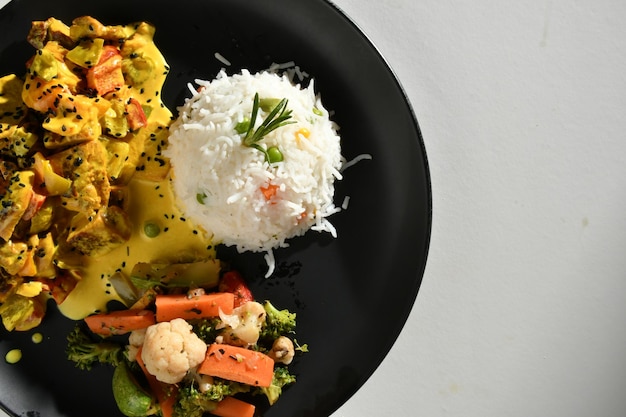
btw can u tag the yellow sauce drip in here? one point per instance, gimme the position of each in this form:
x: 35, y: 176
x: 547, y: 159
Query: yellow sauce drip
x: 37, y: 338
x: 13, y: 356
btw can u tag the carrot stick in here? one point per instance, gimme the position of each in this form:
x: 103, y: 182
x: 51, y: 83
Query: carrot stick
x: 172, y: 306
x: 120, y: 322
x: 232, y: 407
x: 238, y: 364
x: 166, y: 394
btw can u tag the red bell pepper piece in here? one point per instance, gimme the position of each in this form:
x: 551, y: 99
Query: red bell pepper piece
x: 135, y: 115
x: 233, y: 282
x: 107, y: 75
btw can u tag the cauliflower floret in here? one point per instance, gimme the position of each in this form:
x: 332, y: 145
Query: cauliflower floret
x: 135, y: 341
x: 171, y: 349
x: 204, y: 382
x: 242, y: 327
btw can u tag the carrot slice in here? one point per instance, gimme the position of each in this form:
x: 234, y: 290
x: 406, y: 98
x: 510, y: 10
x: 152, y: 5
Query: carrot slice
x: 120, y: 322
x: 172, y: 306
x: 269, y: 191
x: 166, y: 394
x: 233, y: 407
x: 238, y: 364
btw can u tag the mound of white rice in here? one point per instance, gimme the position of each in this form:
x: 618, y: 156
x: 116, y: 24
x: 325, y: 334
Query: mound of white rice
x: 219, y: 182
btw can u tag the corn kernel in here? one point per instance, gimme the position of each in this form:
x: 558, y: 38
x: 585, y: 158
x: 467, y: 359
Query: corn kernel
x: 304, y: 132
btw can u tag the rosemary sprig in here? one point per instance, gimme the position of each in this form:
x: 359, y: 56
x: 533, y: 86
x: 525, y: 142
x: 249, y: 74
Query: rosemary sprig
x: 278, y: 117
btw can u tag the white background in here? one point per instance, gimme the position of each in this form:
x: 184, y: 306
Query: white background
x: 523, y: 304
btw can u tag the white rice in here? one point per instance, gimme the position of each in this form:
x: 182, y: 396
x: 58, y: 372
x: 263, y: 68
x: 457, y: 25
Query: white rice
x: 209, y: 159
x: 221, y: 58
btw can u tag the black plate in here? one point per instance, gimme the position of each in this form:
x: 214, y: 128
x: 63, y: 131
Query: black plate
x: 352, y: 294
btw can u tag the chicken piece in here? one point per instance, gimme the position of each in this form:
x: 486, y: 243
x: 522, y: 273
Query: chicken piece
x: 117, y: 152
x: 27, y: 258
x: 16, y: 141
x: 47, y: 181
x: 13, y: 256
x: 76, y: 120
x: 48, y: 71
x: 43, y: 219
x: 38, y: 34
x: 7, y: 169
x: 22, y: 313
x: 136, y: 151
x: 63, y: 284
x: 86, y: 166
x: 42, y: 31
x: 88, y: 27
x: 8, y: 284
x: 99, y: 234
x: 44, y: 257
x: 15, y: 196
x: 12, y: 108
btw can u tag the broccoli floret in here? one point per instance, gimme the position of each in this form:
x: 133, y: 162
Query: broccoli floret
x: 277, y: 322
x: 301, y: 348
x: 85, y: 353
x: 281, y: 378
x: 206, y: 329
x: 193, y: 403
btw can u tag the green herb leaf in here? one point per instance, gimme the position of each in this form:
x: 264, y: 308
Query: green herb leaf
x: 278, y: 117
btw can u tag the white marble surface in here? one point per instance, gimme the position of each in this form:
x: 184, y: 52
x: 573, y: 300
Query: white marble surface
x: 521, y: 312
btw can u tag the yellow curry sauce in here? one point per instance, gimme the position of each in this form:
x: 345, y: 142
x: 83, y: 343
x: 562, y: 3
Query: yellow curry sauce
x: 84, y: 190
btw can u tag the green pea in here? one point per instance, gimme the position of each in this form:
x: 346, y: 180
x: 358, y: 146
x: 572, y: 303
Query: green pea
x: 243, y: 126
x: 274, y: 155
x: 200, y: 197
x: 151, y: 229
x: 268, y: 104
